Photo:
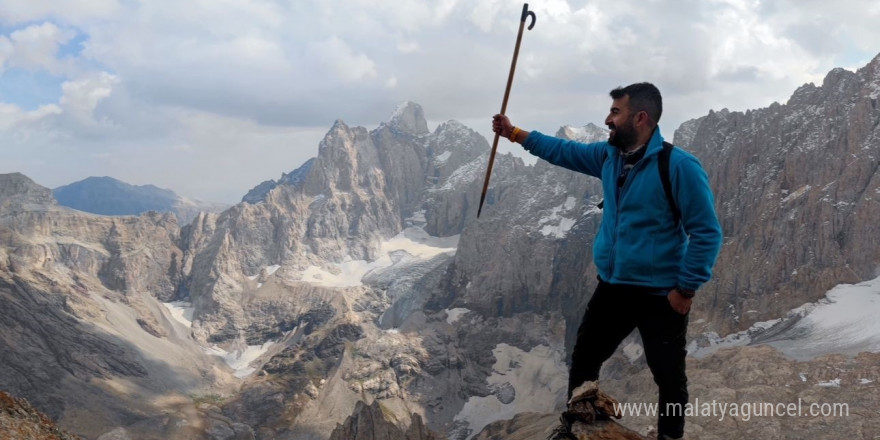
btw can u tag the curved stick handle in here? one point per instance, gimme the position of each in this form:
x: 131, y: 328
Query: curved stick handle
x: 526, y: 14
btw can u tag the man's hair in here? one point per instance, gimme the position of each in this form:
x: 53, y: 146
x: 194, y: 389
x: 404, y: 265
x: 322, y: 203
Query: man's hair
x: 642, y: 97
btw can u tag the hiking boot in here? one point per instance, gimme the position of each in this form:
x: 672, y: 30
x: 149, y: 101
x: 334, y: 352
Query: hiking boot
x: 666, y: 437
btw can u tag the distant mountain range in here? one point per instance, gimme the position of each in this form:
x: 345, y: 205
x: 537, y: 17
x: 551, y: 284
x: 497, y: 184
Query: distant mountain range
x: 359, y: 297
x: 109, y: 196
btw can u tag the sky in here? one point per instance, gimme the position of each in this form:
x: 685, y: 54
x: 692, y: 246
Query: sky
x: 211, y: 97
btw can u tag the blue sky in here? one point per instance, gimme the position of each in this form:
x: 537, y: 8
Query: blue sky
x: 211, y: 98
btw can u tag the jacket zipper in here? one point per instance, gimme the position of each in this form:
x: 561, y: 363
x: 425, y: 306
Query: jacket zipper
x: 619, y: 196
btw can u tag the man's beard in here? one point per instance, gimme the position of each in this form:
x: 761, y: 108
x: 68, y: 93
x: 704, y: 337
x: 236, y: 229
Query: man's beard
x: 623, y: 136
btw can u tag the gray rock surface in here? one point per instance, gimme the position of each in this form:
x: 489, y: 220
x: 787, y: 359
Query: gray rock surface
x: 797, y: 188
x: 300, y: 277
x: 18, y: 191
x: 370, y: 422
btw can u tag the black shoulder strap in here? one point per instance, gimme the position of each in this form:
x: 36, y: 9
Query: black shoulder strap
x: 601, y: 203
x: 663, y: 165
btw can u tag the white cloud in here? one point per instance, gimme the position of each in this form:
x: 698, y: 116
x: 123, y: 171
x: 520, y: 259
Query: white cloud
x: 81, y: 96
x: 75, y: 11
x: 341, y: 60
x: 183, y: 78
x: 407, y: 46
x: 12, y: 116
x: 35, y: 48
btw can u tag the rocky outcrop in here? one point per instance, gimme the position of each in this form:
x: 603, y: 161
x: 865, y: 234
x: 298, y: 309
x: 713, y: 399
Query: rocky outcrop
x: 833, y: 396
x: 457, y: 158
x: 20, y: 421
x: 530, y: 426
x: 371, y: 422
x: 294, y: 178
x: 18, y: 191
x: 797, y: 189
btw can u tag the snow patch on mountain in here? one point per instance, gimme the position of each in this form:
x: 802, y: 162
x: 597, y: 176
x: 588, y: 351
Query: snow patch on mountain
x: 845, y: 322
x: 240, y: 360
x: 453, y: 315
x: 181, y: 311
x: 556, y: 225
x: 414, y: 241
x: 465, y: 174
x: 440, y: 159
x: 538, y: 378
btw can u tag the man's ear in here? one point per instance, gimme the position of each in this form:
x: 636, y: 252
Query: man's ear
x: 642, y: 117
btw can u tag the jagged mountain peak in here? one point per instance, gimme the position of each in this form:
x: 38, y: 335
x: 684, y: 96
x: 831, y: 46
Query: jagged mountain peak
x: 371, y: 422
x: 836, y: 76
x: 452, y: 135
x: 803, y: 93
x: 409, y: 118
x: 588, y: 133
x: 452, y: 124
x: 338, y: 125
x: 17, y: 188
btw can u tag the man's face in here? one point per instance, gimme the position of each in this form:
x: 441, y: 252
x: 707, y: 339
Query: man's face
x: 620, y: 121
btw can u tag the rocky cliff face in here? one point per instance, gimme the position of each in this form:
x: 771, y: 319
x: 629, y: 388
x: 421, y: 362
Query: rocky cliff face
x: 83, y: 326
x: 797, y: 188
x: 370, y: 422
x: 364, y: 276
x: 532, y: 252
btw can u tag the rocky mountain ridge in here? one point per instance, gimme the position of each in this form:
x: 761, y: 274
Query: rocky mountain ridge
x: 796, y: 188
x: 364, y: 276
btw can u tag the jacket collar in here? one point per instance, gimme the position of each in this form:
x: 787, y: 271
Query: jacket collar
x: 655, y: 144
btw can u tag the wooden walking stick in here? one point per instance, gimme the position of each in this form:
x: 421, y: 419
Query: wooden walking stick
x: 522, y: 23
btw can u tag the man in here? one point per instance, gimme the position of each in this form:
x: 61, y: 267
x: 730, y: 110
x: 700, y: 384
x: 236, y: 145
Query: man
x: 650, y: 259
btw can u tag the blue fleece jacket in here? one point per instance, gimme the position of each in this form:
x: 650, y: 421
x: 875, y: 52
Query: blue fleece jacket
x: 639, y: 241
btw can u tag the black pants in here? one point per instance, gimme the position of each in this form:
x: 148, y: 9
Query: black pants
x: 611, y: 315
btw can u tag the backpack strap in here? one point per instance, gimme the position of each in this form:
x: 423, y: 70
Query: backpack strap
x: 601, y: 204
x: 663, y: 167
